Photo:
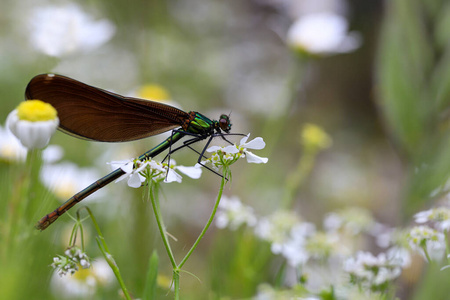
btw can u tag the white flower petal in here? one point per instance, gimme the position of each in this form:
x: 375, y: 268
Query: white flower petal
x: 128, y: 167
x: 118, y: 164
x: 256, y: 144
x: 244, y: 139
x: 221, y: 220
x: 32, y: 135
x: 10, y: 147
x: 52, y: 154
x: 157, y: 166
x: 134, y: 181
x: 231, y: 149
x: 213, y: 149
x: 61, y: 30
x: 322, y: 33
x: 255, y: 159
x: 121, y: 178
x: 193, y: 172
x: 172, y: 176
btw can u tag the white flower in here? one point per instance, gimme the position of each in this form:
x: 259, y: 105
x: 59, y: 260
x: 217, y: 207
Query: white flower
x: 440, y: 216
x: 294, y: 249
x: 255, y: 144
x: 32, y: 135
x: 83, y: 283
x: 132, y: 172
x: 371, y: 270
x: 400, y: 256
x: 423, y: 216
x: 65, y: 179
x: 323, y: 245
x: 322, y: 33
x: 12, y: 150
x: 69, y: 262
x: 52, y: 154
x: 193, y: 172
x: 138, y: 171
x: 62, y: 30
x: 10, y: 147
x: 352, y: 219
x: 276, y: 228
x: 226, y: 156
x: 429, y: 242
x: 232, y: 213
x: 287, y: 235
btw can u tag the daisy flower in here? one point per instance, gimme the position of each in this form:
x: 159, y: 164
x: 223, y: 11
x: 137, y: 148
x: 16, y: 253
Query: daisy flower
x: 226, y: 156
x: 138, y: 171
x: 322, y: 33
x: 62, y: 30
x: 33, y: 123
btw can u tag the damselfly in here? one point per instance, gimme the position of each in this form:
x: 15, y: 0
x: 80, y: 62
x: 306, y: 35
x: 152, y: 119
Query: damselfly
x: 95, y: 114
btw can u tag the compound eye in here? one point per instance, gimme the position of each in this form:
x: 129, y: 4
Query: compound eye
x: 224, y: 123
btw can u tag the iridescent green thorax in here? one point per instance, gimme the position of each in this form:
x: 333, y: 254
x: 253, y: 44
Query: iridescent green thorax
x: 200, y: 124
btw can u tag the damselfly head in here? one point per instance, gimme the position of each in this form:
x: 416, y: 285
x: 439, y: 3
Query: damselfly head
x: 224, y: 123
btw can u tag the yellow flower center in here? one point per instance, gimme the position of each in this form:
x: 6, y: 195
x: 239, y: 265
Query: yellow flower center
x: 8, y: 152
x: 153, y: 92
x: 36, y: 111
x: 83, y: 274
x: 65, y: 190
x: 314, y: 136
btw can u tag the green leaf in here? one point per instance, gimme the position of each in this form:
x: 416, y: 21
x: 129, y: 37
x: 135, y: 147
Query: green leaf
x: 404, y: 60
x: 414, y: 92
x: 151, y: 282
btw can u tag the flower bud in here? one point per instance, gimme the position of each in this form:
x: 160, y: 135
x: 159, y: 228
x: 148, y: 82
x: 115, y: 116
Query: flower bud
x: 33, y: 123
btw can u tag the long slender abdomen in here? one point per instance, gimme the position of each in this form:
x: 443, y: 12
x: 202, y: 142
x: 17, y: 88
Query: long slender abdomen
x: 54, y: 215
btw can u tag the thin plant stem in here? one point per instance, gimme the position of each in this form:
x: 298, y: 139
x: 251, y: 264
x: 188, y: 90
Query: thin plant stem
x: 176, y: 283
x: 108, y: 256
x: 297, y: 177
x: 33, y: 162
x: 73, y: 237
x: 176, y: 270
x: 153, y: 194
x: 159, y: 220
x: 213, y: 213
x: 446, y: 244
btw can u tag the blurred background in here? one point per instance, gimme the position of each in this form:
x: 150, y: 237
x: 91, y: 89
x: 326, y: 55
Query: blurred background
x: 372, y: 75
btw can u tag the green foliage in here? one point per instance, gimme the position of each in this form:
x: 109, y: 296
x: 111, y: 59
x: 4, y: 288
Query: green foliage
x: 151, y: 283
x: 413, y: 89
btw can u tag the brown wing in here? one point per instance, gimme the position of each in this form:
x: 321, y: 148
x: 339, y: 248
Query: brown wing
x: 91, y: 113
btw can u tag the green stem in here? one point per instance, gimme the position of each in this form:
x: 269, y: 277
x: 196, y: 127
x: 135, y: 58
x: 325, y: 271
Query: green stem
x: 427, y: 255
x: 296, y: 178
x: 159, y: 221
x: 20, y: 206
x: 31, y: 201
x: 109, y: 258
x: 176, y: 283
x: 213, y: 213
x: 446, y: 244
x: 72, y: 239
